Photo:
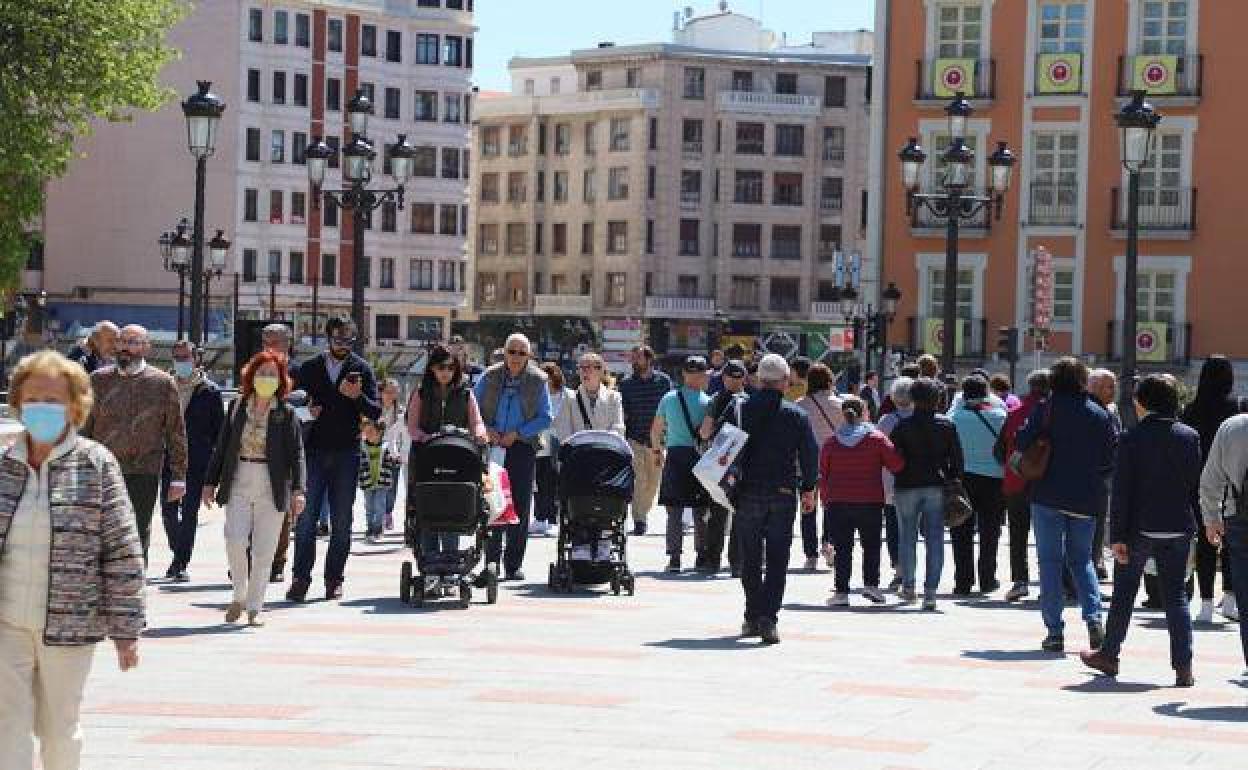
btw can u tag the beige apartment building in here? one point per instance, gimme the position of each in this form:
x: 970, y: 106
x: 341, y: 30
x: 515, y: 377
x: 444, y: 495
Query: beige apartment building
x: 707, y: 193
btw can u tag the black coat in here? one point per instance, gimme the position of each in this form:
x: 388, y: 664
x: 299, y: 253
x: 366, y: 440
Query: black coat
x: 931, y: 448
x: 204, y: 416
x: 283, y: 453
x: 1157, y: 480
x: 338, y: 426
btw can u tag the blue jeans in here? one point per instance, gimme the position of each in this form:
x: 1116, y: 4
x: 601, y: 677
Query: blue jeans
x: 332, y: 477
x: 764, y: 529
x: 1065, y: 542
x: 920, y: 507
x: 1235, y: 548
x: 1171, y: 555
x: 376, y: 506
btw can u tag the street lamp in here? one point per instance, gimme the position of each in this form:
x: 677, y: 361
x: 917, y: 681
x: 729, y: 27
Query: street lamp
x: 175, y: 251
x: 203, y: 111
x: 954, y: 203
x: 1137, y: 120
x: 357, y: 172
x: 218, y: 248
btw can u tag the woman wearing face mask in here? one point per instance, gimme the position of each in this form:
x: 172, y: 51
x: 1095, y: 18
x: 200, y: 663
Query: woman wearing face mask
x: 86, y: 554
x: 257, y: 471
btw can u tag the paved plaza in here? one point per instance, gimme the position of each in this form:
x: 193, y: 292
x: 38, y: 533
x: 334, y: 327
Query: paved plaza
x: 658, y: 680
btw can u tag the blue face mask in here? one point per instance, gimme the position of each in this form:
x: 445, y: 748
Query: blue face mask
x: 183, y: 369
x: 44, y: 422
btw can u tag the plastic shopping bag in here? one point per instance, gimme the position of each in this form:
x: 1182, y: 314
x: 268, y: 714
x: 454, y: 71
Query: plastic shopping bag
x: 717, y: 460
x: 502, y: 508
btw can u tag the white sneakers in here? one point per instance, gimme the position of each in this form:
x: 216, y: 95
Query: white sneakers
x: 1205, y: 615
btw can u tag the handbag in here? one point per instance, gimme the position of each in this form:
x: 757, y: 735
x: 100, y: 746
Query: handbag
x: 998, y: 442
x: 1033, y: 462
x: 958, y: 510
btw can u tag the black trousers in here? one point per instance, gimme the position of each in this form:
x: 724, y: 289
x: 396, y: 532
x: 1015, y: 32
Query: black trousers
x: 710, y: 528
x: 508, y: 543
x: 181, y: 520
x: 1018, y: 510
x: 985, y: 496
x: 810, y: 534
x: 843, y: 520
x: 1207, y: 567
x: 143, y: 489
x: 890, y: 533
x: 546, y: 497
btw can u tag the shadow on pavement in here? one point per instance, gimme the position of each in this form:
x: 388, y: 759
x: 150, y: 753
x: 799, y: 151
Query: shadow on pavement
x: 866, y: 609
x: 1210, y: 714
x: 1098, y: 685
x: 187, y: 588
x: 379, y: 551
x: 733, y: 642
x: 178, y: 632
x: 1009, y: 656
x: 1159, y: 624
x: 393, y: 606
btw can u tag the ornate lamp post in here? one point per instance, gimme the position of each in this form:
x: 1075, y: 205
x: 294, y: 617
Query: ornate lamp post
x: 203, y: 114
x: 175, y: 252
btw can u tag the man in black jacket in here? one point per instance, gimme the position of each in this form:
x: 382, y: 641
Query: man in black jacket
x: 341, y: 389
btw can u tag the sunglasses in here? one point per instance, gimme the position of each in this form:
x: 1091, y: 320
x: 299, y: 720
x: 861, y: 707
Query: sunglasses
x: 517, y: 352
x: 443, y: 368
x: 588, y: 367
x: 733, y: 375
x: 341, y: 342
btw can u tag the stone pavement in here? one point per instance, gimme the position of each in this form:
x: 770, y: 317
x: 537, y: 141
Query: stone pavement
x: 655, y: 681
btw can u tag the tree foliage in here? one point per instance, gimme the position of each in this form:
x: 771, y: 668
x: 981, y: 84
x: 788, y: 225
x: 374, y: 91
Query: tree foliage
x: 63, y: 64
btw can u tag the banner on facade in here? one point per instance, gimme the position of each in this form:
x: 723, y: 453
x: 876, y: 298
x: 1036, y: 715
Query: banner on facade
x: 951, y: 76
x: 746, y: 341
x: 1150, y: 341
x: 934, y: 337
x: 1156, y: 74
x: 1059, y: 73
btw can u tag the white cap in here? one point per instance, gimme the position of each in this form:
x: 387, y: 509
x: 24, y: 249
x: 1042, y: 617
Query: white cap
x: 773, y: 368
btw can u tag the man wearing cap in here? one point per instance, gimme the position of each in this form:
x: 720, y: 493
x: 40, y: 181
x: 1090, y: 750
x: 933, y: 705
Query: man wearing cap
x: 781, y: 446
x: 675, y: 427
x: 640, y: 393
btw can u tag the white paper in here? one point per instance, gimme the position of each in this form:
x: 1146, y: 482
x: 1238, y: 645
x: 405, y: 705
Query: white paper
x: 715, y: 462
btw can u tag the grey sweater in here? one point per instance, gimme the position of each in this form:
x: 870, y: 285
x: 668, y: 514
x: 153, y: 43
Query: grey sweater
x: 1224, y: 469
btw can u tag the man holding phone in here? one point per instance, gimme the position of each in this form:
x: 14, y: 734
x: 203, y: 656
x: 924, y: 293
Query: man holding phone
x: 341, y: 389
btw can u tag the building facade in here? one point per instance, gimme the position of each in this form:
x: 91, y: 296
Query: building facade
x: 704, y: 192
x: 286, y: 71
x: 1048, y: 76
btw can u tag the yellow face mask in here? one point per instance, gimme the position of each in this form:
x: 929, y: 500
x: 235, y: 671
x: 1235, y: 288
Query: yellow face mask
x: 265, y: 386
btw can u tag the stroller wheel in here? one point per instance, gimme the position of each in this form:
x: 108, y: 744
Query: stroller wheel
x: 491, y: 588
x: 405, y: 583
x: 418, y: 591
x: 465, y: 594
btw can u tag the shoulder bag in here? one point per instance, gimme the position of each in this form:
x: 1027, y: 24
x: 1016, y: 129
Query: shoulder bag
x: 589, y: 425
x: 699, y: 446
x: 1033, y: 462
x: 998, y: 437
x: 958, y: 509
x: 815, y: 400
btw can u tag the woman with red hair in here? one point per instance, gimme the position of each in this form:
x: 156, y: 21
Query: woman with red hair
x: 257, y: 472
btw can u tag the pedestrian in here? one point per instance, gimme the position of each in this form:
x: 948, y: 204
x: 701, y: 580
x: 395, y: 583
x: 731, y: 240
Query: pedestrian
x: 593, y: 405
x: 1068, y: 498
x: 1015, y: 488
x: 138, y: 416
x: 341, y: 389
x: 717, y: 361
x: 276, y: 338
x: 779, y: 460
x: 910, y: 371
x: 393, y: 422
x: 851, y: 467
x: 69, y: 578
x: 979, y: 423
x: 1103, y: 386
x: 899, y: 396
x: 1213, y: 405
x: 640, y: 393
x: 546, y: 478
x: 515, y: 406
x: 257, y: 473
x: 675, y: 429
x: 870, y: 395
x: 1155, y: 515
x: 379, y: 469
x: 100, y: 349
x: 928, y: 366
x: 952, y: 386
x: 1224, y: 504
x: 725, y: 407
x: 734, y: 352
x: 928, y: 443
x: 798, y: 370
x: 1001, y: 387
x: 823, y: 408
x: 203, y: 413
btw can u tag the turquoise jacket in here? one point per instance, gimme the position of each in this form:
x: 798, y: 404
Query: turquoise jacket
x: 977, y: 438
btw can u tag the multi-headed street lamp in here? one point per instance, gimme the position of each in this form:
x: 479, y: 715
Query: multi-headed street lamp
x: 176, y: 248
x: 203, y: 114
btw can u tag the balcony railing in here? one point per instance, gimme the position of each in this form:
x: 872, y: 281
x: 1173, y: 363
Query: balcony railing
x: 680, y: 307
x: 972, y: 334
x: 923, y: 219
x: 1054, y: 204
x: 834, y: 155
x: 516, y: 149
x: 690, y: 199
x: 563, y: 304
x: 579, y: 101
x: 692, y: 148
x: 1162, y: 76
x: 1167, y: 210
x: 1173, y: 347
x: 938, y: 79
x: 831, y: 204
x: 772, y: 104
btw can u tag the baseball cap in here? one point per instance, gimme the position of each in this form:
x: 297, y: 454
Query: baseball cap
x: 773, y: 368
x: 695, y: 364
x: 734, y: 368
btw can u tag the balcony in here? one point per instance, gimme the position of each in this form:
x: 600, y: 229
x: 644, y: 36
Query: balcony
x: 769, y: 104
x: 832, y: 204
x: 1054, y: 205
x: 826, y: 311
x: 936, y: 80
x: 563, y: 305
x: 680, y: 307
x: 924, y: 222
x: 1165, y: 213
x: 1174, y: 348
x: 972, y: 334
x: 691, y: 148
x: 1169, y: 80
x: 518, y: 149
x: 578, y: 102
x: 834, y: 155
x: 690, y: 199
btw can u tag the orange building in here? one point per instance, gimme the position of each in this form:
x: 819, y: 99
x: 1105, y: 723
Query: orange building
x: 1049, y: 76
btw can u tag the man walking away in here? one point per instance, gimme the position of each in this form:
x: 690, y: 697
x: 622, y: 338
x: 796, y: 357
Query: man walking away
x: 1225, y: 478
x: 641, y: 392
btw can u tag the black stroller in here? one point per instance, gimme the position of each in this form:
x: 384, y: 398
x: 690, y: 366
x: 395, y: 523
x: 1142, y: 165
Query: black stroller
x: 595, y: 488
x: 444, y: 497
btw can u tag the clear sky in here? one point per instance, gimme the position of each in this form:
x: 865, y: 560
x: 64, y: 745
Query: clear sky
x: 551, y: 27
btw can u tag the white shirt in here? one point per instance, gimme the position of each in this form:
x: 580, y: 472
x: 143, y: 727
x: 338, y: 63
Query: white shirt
x: 606, y: 412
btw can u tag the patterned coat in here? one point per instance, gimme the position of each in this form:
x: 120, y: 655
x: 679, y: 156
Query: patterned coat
x: 96, y: 579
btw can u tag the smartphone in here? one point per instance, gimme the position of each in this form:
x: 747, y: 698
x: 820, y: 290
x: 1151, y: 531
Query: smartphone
x: 354, y: 378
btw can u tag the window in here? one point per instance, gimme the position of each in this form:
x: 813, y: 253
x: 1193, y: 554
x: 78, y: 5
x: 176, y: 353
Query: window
x: 558, y: 238
x: 617, y: 289
x: 463, y: 220
x: 593, y: 80
x: 632, y: 77
x: 274, y: 274
x: 749, y: 138
x: 389, y: 217
x: 427, y: 49
x: 1161, y: 177
x: 368, y: 40
x: 539, y: 194
x: 560, y: 184
x: 517, y: 239
x: 334, y: 35
x: 253, y: 85
x: 690, y: 188
x: 617, y: 237
x: 370, y: 92
x: 446, y: 276
x: 654, y: 134
x: 538, y: 245
x: 517, y: 141
x: 587, y: 238
x: 834, y: 91
x: 747, y: 240
x: 333, y: 143
x: 958, y: 32
x: 255, y: 25
x: 936, y: 293
x: 422, y: 218
x: 394, y: 45
x: 691, y: 136
x: 787, y: 189
x: 558, y: 284
x: 429, y: 3
x: 652, y: 176
x: 530, y: 86
x: 298, y: 206
x: 588, y: 185
x: 296, y: 267
x: 649, y: 236
x: 329, y: 269
x: 331, y: 213
x: 277, y: 147
x: 554, y: 86
x: 748, y: 187
x: 1062, y: 27
x: 829, y: 242
x: 516, y: 187
x: 515, y: 288
x: 1163, y: 27
x: 744, y: 292
x: 253, y: 145
x: 427, y: 105
x: 790, y: 140
x: 279, y: 87
x: 333, y: 94
x: 742, y: 80
x: 587, y: 283
x: 303, y: 30
x: 249, y: 265
x: 785, y: 294
x: 425, y: 162
x: 834, y: 145
x: 393, y: 99
x: 831, y: 193
x: 617, y: 183
x: 786, y: 241
x: 453, y: 54
x: 301, y: 89
x: 450, y: 163
x: 689, y: 237
x: 695, y: 83
x: 619, y: 134
x: 786, y: 83
x: 420, y: 275
x: 490, y: 139
x: 563, y: 138
x: 1055, y: 180
x: 687, y: 286
x: 591, y: 138
x: 453, y: 111
x: 487, y: 288
x: 448, y: 219
x: 387, y: 327
x: 487, y: 239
